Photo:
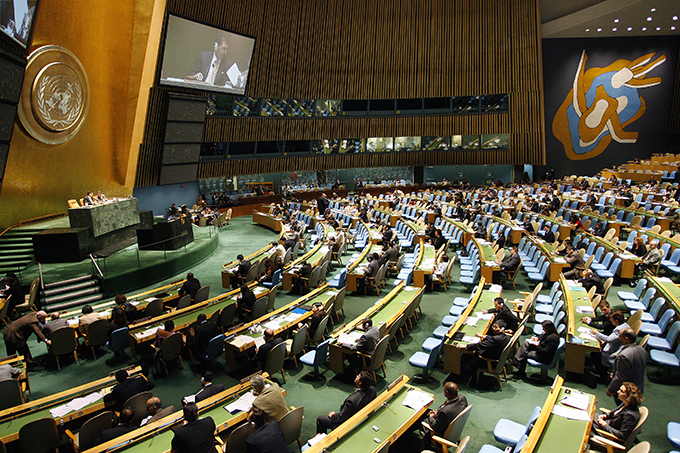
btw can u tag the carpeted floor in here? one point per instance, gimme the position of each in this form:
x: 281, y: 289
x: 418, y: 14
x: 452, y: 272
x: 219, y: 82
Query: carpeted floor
x: 515, y: 401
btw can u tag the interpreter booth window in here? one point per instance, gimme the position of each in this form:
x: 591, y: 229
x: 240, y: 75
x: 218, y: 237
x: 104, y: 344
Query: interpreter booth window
x: 438, y: 143
x: 471, y: 141
x: 297, y: 147
x: 328, y: 107
x: 353, y: 145
x: 355, y: 107
x: 274, y: 107
x: 213, y: 150
x: 326, y: 146
x: 456, y: 142
x: 224, y: 104
x: 300, y: 107
x: 407, y: 143
x: 269, y: 148
x: 379, y: 107
x: 436, y: 105
x: 241, y: 149
x: 379, y: 145
x: 495, y: 141
x: 465, y: 104
x: 409, y: 106
x: 494, y: 103
x: 246, y: 107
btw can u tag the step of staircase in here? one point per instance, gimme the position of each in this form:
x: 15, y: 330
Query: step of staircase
x: 55, y: 291
x: 76, y: 302
x: 16, y: 250
x: 70, y: 281
x: 72, y: 292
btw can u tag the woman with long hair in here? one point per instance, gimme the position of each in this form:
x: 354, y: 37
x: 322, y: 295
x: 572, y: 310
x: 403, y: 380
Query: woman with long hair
x: 542, y: 348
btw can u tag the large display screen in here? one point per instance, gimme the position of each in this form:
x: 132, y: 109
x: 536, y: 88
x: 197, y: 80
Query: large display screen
x: 16, y: 20
x: 200, y: 56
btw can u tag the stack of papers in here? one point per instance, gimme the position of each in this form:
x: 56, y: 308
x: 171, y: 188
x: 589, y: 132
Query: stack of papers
x: 495, y: 288
x: 584, y: 309
x: 470, y: 339
x: 571, y: 414
x: 486, y: 316
x: 75, y: 405
x: 348, y: 339
x: 559, y: 259
x: 416, y: 400
x: 471, y: 322
x: 241, y: 340
x: 576, y: 400
x: 243, y: 404
x: 146, y: 333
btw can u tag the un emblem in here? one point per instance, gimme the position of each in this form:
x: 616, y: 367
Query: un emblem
x: 55, y: 95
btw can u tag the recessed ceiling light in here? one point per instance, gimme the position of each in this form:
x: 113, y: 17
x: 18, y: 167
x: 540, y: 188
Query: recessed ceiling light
x: 599, y: 29
x: 673, y: 28
x: 630, y: 28
x: 649, y: 19
x: 614, y: 29
x: 644, y: 28
x: 653, y: 9
x: 658, y: 28
x: 675, y: 17
x: 587, y: 29
x: 616, y: 21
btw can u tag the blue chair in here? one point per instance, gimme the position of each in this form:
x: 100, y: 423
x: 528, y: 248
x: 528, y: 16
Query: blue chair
x: 543, y: 299
x: 673, y: 432
x: 491, y: 449
x: 611, y: 272
x: 658, y: 329
x: 636, y: 294
x: 539, y: 277
x: 276, y: 278
x: 666, y: 359
x: 317, y: 357
x: 215, y: 348
x: 339, y: 280
x: 655, y: 311
x: 509, y: 433
x: 544, y: 367
x: 119, y: 341
x: 643, y: 303
x: 672, y: 260
x: 666, y: 343
x: 425, y: 361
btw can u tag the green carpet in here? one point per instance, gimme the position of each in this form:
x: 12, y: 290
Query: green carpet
x: 515, y: 401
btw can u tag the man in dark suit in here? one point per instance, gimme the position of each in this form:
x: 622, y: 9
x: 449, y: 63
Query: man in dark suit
x: 369, y: 340
x: 370, y: 273
x: 16, y: 335
x: 194, y: 435
x: 629, y: 365
x: 264, y: 350
x: 591, y: 279
x: 212, y: 67
x: 575, y: 262
x: 502, y: 312
x: 123, y: 427
x: 209, y: 389
x: 241, y: 271
x: 154, y: 411
x: 268, y: 437
x: 245, y: 302
x: 364, y: 394
x: 391, y: 254
x: 200, y: 336
x: 190, y: 286
x: 322, y: 204
x: 490, y: 347
x: 439, y: 420
x: 438, y: 240
x: 127, y: 387
x: 509, y: 264
x: 547, y: 235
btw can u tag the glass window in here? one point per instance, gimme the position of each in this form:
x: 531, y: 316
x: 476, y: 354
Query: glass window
x: 407, y: 144
x: 213, y: 149
x: 437, y: 105
x: 456, y: 141
x: 353, y: 145
x: 495, y: 141
x: 241, y: 149
x: 379, y: 145
x: 355, y: 107
x: 438, y: 143
x: 269, y: 147
x: 494, y: 103
x: 246, y: 106
x: 381, y: 106
x: 409, y: 105
x: 328, y: 107
x: 297, y: 107
x: 470, y: 141
x: 297, y: 147
x: 465, y: 104
x: 274, y: 107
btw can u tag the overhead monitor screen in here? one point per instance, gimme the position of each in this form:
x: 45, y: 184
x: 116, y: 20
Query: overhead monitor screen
x: 196, y: 55
x: 16, y: 19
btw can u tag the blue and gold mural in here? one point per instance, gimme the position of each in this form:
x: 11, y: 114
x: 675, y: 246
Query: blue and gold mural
x: 607, y: 100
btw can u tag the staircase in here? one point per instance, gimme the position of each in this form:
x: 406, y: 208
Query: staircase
x: 16, y: 250
x: 69, y: 293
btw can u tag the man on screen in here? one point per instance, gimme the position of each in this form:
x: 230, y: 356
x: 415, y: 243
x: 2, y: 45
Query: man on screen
x: 212, y: 67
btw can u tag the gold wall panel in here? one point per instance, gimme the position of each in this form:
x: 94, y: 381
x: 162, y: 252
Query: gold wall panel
x: 109, y: 38
x: 372, y: 49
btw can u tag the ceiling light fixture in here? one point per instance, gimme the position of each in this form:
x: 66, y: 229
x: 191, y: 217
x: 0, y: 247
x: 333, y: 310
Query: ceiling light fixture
x: 658, y: 28
x: 673, y: 28
x: 614, y: 29
x: 644, y: 28
x: 616, y: 21
x: 653, y: 9
x: 630, y: 28
x: 675, y: 17
x: 649, y: 19
x: 587, y: 29
x: 599, y: 29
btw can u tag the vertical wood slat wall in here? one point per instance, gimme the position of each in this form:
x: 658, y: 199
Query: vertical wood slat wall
x: 374, y: 49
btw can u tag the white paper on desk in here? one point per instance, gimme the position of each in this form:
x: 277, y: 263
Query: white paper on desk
x: 664, y: 280
x: 495, y: 289
x: 259, y: 341
x: 189, y: 398
x: 78, y: 403
x: 242, y: 404
x: 485, y: 316
x: 409, y: 288
x: 316, y: 438
x: 573, y: 283
x: 584, y: 329
x: 331, y: 293
x: 233, y: 73
x: 584, y: 309
x: 490, y: 263
x: 416, y: 400
x: 571, y: 414
x: 273, y: 324
x: 150, y: 299
x: 241, y: 340
x: 60, y: 411
x: 470, y: 339
x: 560, y: 259
x: 577, y: 400
x: 259, y: 289
x: 146, y: 333
x: 105, y: 314
x: 471, y: 322
x: 348, y: 339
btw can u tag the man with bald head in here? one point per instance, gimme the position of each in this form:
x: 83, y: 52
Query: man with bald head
x: 154, y: 411
x: 264, y: 350
x: 17, y: 334
x: 437, y: 421
x: 629, y: 364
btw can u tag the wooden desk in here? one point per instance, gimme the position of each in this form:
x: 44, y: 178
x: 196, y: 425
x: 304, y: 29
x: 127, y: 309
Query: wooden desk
x: 267, y: 220
x: 425, y: 265
x: 383, y: 313
x: 552, y: 433
x: 482, y: 299
x: 575, y: 296
x: 628, y: 260
x: 666, y: 288
x: 355, y: 271
x: 557, y: 263
x: 12, y: 419
x: 487, y: 259
x: 243, y: 338
x: 386, y: 411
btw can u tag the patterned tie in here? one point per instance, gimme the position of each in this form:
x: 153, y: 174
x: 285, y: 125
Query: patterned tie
x: 213, y: 72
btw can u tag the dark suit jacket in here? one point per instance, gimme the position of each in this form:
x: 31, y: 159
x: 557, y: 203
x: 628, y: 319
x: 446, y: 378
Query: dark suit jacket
x: 247, y: 300
x: 446, y: 413
x: 491, y: 346
x: 267, y: 439
x: 507, y: 316
x: 548, y: 236
x: 353, y: 404
x: 195, y: 437
x: 243, y: 268
x: 208, y: 391
x: 126, y: 389
x: 629, y: 366
x: 161, y: 413
x: 116, y: 431
x: 622, y: 420
x: 205, y: 332
x: 264, y: 350
x: 368, y: 341
x: 322, y: 205
x: 202, y: 65
x: 595, y: 281
x: 510, y: 263
x: 547, y: 345
x: 190, y: 287
x: 438, y: 242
